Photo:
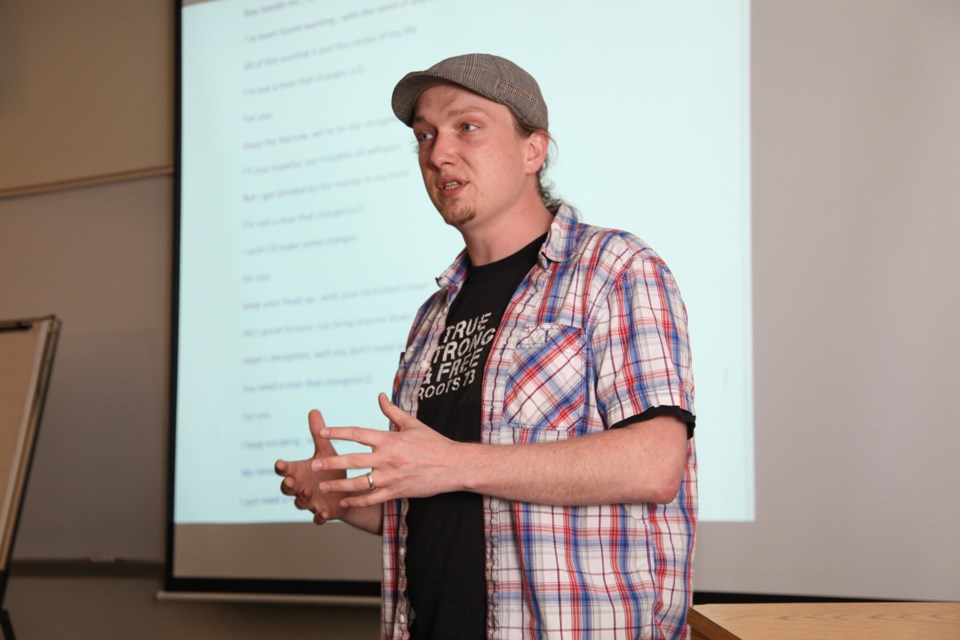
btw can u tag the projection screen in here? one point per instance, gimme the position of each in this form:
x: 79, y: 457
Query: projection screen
x: 305, y: 241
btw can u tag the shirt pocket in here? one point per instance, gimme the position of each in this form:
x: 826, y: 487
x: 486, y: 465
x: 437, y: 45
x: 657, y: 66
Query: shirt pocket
x: 546, y: 387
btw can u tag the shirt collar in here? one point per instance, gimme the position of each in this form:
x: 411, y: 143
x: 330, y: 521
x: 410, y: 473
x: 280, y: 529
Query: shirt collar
x: 559, y: 246
x: 562, y: 237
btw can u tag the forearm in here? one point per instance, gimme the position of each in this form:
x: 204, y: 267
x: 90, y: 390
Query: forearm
x: 642, y: 462
x: 369, y: 519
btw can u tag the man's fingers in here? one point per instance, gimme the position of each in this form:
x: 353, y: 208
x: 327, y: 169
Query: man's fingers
x: 323, y: 517
x: 348, y: 461
x: 321, y: 445
x: 288, y: 486
x: 368, y: 437
x: 358, y: 484
x: 303, y: 500
x: 393, y: 413
x: 365, y: 500
x: 315, y: 420
x: 280, y: 467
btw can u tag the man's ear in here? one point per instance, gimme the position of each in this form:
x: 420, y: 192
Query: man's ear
x: 538, y: 143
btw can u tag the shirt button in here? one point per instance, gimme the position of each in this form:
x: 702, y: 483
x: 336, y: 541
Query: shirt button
x: 402, y: 618
x: 402, y: 552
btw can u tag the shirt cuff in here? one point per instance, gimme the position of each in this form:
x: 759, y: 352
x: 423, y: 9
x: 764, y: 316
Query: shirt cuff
x: 653, y: 412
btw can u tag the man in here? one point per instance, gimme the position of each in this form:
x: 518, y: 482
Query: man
x: 539, y: 480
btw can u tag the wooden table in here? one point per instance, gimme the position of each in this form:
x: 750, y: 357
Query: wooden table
x: 827, y: 621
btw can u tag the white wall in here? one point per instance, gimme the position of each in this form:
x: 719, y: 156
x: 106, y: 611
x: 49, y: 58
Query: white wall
x: 856, y: 174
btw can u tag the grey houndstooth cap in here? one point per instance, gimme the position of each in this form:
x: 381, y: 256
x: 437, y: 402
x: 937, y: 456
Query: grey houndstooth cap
x: 490, y: 76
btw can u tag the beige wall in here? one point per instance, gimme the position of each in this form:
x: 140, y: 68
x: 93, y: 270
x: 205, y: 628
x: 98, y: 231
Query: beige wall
x: 86, y: 91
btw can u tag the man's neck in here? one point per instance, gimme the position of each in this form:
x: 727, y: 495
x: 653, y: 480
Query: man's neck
x: 507, y: 234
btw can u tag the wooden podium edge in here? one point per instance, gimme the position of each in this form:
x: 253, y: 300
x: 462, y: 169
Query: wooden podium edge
x: 703, y: 628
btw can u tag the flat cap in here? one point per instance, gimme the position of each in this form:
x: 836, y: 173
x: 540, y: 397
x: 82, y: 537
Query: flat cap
x: 490, y: 76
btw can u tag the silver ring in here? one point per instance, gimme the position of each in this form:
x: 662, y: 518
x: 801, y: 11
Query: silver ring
x: 370, y: 480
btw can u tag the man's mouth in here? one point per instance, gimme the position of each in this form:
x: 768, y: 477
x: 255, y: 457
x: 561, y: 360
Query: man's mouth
x: 453, y: 184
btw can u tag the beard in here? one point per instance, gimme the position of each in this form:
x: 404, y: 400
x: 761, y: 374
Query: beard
x: 457, y: 217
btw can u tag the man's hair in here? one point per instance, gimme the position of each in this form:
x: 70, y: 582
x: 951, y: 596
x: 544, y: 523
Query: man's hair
x: 550, y: 201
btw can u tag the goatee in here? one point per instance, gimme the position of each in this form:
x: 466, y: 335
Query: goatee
x: 458, y: 217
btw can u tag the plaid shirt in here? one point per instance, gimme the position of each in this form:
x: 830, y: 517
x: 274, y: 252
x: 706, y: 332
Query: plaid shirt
x: 594, y: 335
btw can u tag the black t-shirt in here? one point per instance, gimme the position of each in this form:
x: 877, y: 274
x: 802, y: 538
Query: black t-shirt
x: 446, y: 583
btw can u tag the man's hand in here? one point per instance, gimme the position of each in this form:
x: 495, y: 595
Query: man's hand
x: 641, y: 462
x: 301, y: 481
x: 414, y: 461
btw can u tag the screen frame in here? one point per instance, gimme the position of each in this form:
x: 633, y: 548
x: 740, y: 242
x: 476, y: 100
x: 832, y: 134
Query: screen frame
x: 217, y: 582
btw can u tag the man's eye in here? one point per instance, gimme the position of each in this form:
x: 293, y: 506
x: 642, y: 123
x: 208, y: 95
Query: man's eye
x: 467, y: 126
x: 423, y: 136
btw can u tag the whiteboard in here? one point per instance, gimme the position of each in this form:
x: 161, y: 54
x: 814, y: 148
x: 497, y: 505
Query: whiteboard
x: 26, y: 357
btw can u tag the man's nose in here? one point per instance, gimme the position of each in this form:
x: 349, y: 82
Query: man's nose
x: 443, y: 150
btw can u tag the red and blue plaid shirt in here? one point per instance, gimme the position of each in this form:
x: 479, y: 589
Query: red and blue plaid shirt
x: 594, y: 335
